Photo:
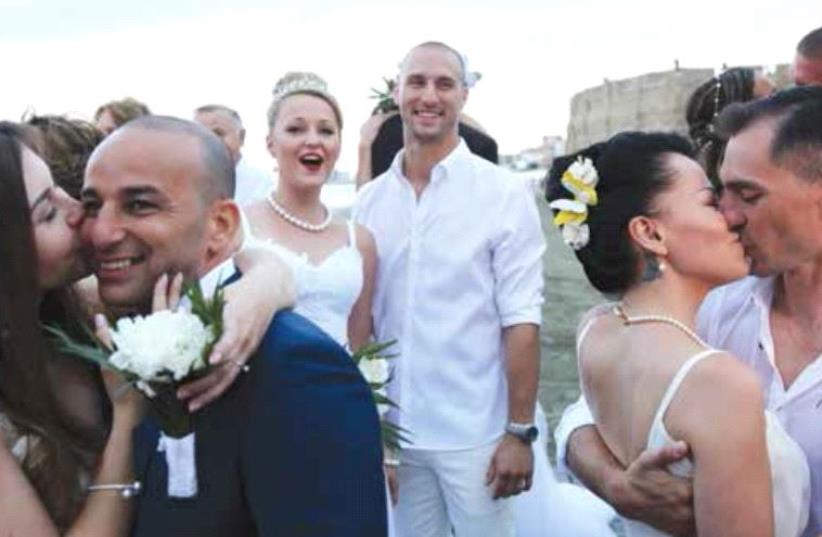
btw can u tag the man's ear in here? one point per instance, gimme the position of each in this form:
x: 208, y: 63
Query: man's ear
x: 395, y: 93
x: 648, y: 234
x: 222, y: 227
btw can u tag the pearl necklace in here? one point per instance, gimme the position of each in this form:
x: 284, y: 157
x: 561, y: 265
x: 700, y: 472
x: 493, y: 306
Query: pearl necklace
x: 639, y: 319
x: 298, y: 222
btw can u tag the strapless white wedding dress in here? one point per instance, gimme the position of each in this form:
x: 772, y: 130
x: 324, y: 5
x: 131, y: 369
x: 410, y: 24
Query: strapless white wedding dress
x: 790, y: 476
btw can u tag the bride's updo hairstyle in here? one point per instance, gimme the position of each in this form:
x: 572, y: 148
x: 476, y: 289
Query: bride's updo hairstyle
x: 632, y: 171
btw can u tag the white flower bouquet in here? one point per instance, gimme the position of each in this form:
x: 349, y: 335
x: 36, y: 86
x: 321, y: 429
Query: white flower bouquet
x: 373, y: 364
x: 157, y: 352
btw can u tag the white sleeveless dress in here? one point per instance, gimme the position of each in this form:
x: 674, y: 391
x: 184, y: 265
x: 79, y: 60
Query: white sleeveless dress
x: 790, y: 476
x: 327, y: 291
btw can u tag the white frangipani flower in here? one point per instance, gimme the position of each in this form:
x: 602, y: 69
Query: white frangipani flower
x: 584, y: 170
x: 576, y: 235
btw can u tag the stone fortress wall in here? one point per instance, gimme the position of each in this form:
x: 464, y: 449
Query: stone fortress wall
x: 653, y: 101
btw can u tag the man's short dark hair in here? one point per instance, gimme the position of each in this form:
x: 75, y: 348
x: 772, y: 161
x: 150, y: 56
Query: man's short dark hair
x: 797, y: 141
x: 217, y: 167
x: 810, y: 46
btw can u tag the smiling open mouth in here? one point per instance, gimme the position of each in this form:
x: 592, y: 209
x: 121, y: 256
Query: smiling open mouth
x: 428, y: 113
x: 312, y: 161
x: 114, y: 265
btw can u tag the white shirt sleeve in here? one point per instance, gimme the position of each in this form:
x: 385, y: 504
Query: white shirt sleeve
x: 574, y: 416
x: 517, y: 259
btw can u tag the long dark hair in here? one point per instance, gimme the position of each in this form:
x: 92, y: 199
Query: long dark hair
x: 59, y: 450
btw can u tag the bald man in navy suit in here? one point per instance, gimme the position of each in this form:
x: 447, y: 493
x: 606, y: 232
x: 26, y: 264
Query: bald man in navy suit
x: 293, y: 447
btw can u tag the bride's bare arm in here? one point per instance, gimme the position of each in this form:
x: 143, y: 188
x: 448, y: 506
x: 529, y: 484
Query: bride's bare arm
x: 267, y: 286
x: 360, y: 323
x: 725, y: 429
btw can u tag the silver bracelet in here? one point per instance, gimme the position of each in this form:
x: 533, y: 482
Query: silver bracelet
x: 126, y: 490
x: 391, y: 462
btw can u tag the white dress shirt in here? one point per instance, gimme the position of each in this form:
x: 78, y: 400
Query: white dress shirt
x: 251, y: 184
x: 456, y: 266
x: 736, y: 318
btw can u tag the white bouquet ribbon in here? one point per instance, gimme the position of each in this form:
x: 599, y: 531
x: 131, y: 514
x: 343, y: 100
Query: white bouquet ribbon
x: 181, y: 464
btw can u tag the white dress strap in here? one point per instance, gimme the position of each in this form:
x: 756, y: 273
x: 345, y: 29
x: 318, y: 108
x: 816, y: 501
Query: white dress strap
x: 352, y: 233
x: 584, y: 332
x: 684, y: 369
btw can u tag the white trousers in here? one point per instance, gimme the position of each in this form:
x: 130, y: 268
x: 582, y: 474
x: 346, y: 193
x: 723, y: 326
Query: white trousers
x: 441, y: 490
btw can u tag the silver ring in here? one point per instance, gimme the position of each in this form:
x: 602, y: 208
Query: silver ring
x: 244, y: 368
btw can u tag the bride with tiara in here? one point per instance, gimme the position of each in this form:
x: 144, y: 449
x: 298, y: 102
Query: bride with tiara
x: 644, y: 222
x: 334, y: 261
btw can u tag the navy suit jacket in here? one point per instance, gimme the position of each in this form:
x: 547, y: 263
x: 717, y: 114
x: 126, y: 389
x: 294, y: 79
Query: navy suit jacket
x: 291, y: 449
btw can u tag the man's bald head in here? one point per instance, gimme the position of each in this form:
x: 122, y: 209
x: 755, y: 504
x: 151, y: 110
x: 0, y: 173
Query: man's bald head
x: 463, y: 69
x: 216, y: 173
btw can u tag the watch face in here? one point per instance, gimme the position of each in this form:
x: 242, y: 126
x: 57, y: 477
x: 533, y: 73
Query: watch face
x: 532, y: 433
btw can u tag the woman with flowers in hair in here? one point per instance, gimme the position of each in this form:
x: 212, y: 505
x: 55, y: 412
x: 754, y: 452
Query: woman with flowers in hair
x: 643, y: 220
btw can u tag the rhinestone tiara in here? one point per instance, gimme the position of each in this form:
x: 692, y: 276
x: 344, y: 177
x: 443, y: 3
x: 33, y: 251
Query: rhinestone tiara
x: 297, y: 82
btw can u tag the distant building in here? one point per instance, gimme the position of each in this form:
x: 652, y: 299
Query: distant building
x: 539, y: 157
x: 653, y: 101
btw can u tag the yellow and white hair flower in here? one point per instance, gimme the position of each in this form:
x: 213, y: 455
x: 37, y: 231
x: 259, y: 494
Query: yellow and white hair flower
x: 580, y: 179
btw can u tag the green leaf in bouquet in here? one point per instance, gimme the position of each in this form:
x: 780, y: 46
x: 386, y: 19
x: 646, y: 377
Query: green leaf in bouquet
x: 374, y: 351
x: 393, y: 435
x: 209, y: 311
x: 381, y: 399
x: 94, y: 353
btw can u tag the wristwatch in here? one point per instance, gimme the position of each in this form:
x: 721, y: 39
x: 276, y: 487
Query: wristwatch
x: 526, y: 432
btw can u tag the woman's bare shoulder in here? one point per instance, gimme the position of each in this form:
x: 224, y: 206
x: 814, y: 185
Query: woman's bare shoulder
x: 720, y: 386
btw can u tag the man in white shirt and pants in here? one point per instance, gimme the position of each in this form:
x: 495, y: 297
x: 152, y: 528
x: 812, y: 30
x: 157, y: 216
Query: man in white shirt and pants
x: 459, y: 287
x: 251, y: 183
x: 772, y: 180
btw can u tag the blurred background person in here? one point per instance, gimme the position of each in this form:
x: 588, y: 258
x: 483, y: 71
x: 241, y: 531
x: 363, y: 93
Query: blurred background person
x: 66, y: 144
x: 114, y: 113
x: 807, y: 62
x: 251, y: 184
x: 737, y: 84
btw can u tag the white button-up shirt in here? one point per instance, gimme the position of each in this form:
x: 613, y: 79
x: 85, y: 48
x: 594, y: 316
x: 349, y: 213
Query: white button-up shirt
x: 736, y: 318
x: 456, y: 266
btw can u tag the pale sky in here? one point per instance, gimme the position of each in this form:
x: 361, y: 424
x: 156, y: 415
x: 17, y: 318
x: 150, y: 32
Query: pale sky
x: 70, y: 57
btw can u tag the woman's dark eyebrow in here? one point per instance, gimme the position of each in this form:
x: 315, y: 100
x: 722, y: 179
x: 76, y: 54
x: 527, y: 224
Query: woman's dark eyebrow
x: 40, y: 198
